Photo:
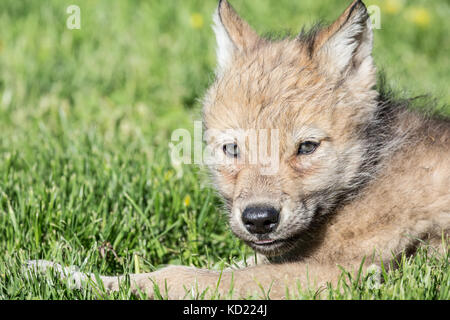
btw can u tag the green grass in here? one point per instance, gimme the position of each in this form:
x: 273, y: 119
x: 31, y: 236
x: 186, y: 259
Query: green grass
x: 86, y: 117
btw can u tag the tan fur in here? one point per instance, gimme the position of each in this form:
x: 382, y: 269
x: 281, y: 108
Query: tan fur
x: 349, y: 200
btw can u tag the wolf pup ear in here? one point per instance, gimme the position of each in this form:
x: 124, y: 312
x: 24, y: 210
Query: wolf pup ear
x: 346, y: 45
x: 233, y: 35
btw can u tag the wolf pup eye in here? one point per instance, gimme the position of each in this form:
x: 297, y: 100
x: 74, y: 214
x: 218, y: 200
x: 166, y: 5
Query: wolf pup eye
x: 307, y: 147
x: 231, y: 150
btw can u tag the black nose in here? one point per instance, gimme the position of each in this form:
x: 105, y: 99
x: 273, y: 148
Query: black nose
x: 260, y: 219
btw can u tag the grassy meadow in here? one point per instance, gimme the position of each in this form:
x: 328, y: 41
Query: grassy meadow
x: 86, y: 118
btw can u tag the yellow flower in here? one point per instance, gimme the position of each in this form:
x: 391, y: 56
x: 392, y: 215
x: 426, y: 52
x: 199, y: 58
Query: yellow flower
x: 419, y: 16
x: 168, y: 174
x: 187, y: 200
x: 392, y: 6
x: 196, y: 20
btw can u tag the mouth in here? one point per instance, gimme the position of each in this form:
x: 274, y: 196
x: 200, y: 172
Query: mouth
x: 266, y: 246
x: 271, y: 247
x: 264, y: 242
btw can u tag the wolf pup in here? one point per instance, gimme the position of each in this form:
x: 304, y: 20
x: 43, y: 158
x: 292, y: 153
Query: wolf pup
x: 359, y: 177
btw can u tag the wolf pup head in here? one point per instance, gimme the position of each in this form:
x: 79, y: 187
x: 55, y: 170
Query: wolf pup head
x: 285, y: 118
